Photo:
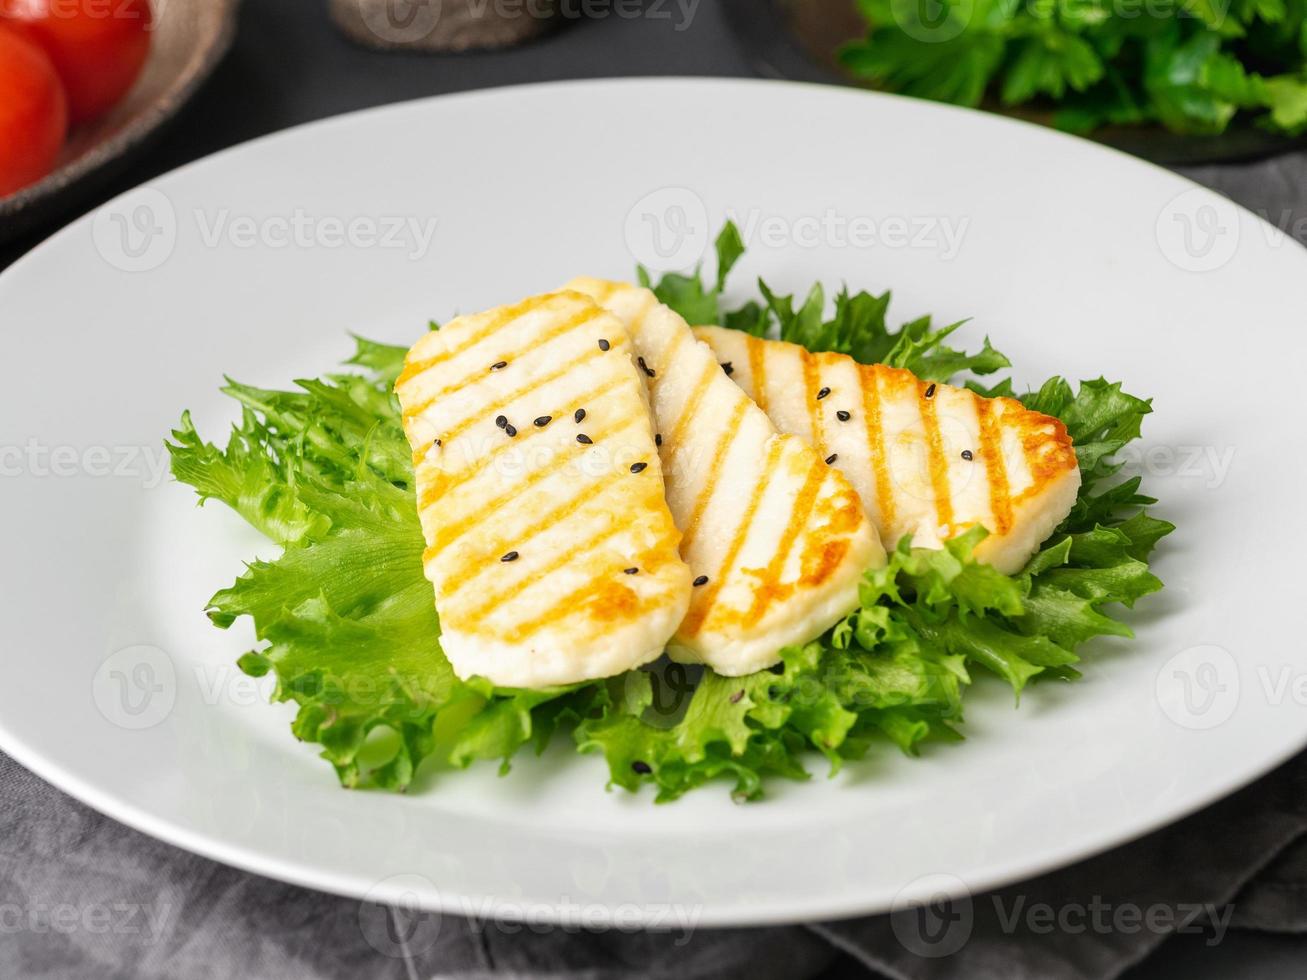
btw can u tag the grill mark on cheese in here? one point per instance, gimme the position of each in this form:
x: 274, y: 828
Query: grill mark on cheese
x: 758, y: 370
x: 991, y: 451
x: 876, y: 443
x: 560, y: 329
x: 1046, y: 455
x: 575, y: 527
x: 692, y: 405
x: 702, y: 603
x: 602, y: 290
x: 811, y: 385
x: 446, y: 481
x: 490, y: 598
x: 936, y: 461
x: 571, y: 603
x: 669, y: 358
x: 804, y: 505
x: 494, y: 546
x: 448, y: 533
x: 900, y: 424
x: 706, y: 492
x: 637, y: 321
x: 497, y: 407
x: 718, y: 540
x: 505, y: 316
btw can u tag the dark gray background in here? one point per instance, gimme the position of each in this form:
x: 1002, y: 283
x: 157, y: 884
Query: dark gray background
x: 288, y: 66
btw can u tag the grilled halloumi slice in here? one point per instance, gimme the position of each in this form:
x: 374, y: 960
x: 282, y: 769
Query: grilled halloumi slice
x: 540, y: 493
x: 927, y: 459
x: 776, y: 539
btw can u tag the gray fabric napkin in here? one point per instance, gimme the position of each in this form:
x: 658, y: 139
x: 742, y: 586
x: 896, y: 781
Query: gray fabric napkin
x: 1275, y: 189
x: 83, y: 896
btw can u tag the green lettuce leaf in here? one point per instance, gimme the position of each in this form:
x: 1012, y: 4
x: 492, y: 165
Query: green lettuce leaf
x: 345, y: 620
x: 1195, y: 67
x: 345, y: 612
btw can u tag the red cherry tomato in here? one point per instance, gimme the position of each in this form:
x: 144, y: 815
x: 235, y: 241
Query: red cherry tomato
x: 33, y: 113
x: 97, y: 46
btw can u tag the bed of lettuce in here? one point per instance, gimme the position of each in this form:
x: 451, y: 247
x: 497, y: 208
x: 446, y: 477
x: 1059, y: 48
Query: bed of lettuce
x: 346, y: 624
x: 1192, y: 66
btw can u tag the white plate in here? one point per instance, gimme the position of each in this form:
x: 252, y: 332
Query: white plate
x: 1072, y: 257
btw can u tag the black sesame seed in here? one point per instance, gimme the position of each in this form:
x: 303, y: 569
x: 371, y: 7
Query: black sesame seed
x: 823, y: 393
x: 510, y: 430
x: 930, y: 391
x: 701, y: 580
x: 543, y: 420
x: 511, y: 556
x: 501, y: 421
x: 604, y: 345
x: 966, y: 454
x: 438, y: 444
x: 658, y: 439
x: 843, y: 416
x: 643, y: 768
x: 631, y: 571
x: 738, y: 696
x: 499, y: 365
x: 831, y: 458
x: 729, y: 368
x: 645, y: 367
x: 579, y: 416
x: 584, y: 440
x: 639, y: 467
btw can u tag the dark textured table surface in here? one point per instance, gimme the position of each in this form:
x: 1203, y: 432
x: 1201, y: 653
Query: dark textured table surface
x: 288, y: 66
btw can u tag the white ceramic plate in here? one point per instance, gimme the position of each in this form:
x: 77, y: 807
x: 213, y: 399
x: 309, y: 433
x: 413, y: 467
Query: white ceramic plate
x: 1074, y: 258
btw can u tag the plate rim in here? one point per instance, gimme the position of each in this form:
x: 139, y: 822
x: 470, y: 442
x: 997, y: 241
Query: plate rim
x: 346, y: 884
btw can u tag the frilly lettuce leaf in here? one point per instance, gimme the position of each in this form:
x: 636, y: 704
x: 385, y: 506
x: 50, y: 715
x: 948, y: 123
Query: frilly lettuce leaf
x: 858, y: 326
x: 346, y: 624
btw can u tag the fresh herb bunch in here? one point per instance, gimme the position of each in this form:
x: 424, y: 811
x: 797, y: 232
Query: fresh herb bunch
x: 347, y: 624
x: 1188, y: 65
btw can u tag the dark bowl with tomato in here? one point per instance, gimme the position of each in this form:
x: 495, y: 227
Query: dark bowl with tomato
x: 84, y: 83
